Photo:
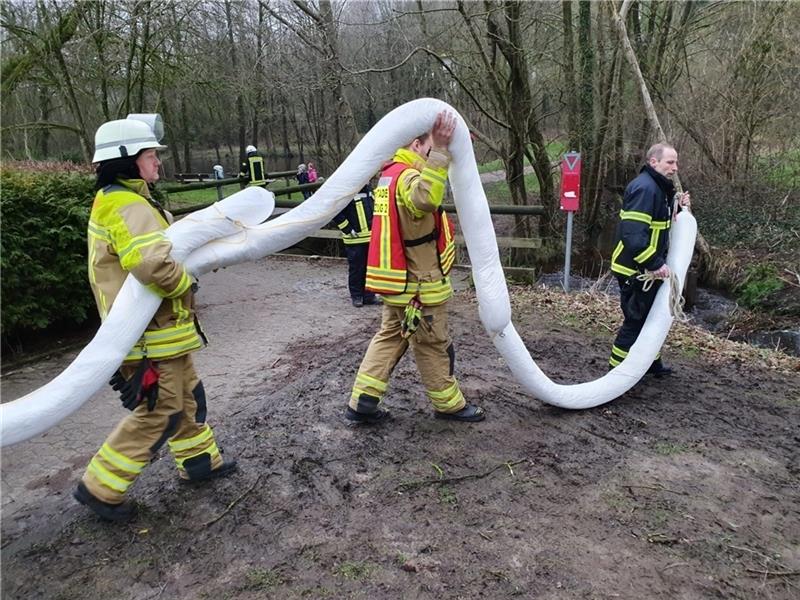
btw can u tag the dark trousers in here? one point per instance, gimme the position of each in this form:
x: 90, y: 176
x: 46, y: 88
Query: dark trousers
x: 357, y: 270
x: 636, y: 304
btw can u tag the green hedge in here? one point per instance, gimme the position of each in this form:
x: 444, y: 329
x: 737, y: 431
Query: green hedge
x: 43, y: 248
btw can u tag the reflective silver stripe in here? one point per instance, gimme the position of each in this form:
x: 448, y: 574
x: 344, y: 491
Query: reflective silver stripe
x: 125, y: 142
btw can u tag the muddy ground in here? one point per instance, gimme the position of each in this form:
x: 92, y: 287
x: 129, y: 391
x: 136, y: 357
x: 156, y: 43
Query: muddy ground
x: 684, y: 488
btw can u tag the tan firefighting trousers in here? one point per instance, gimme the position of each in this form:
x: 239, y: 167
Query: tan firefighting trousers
x: 433, y: 352
x: 178, y: 418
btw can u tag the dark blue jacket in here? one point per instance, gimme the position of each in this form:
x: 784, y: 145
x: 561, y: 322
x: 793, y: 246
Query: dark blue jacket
x: 355, y: 219
x: 642, y: 239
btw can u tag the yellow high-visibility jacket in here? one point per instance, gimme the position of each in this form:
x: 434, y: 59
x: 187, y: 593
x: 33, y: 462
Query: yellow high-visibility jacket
x: 126, y: 235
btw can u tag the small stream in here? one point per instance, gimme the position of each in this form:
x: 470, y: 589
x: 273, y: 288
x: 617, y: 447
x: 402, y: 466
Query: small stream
x: 712, y: 311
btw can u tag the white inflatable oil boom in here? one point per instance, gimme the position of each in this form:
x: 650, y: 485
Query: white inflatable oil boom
x: 43, y: 408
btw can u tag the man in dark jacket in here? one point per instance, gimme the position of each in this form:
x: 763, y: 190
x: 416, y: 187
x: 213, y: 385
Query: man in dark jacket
x: 354, y: 222
x: 642, y: 243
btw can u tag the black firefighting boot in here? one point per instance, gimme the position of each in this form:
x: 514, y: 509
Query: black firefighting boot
x: 198, y: 468
x: 658, y: 369
x: 104, y: 510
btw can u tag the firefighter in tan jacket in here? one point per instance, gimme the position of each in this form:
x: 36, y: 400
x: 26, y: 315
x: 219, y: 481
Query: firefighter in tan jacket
x: 157, y: 380
x: 411, y: 252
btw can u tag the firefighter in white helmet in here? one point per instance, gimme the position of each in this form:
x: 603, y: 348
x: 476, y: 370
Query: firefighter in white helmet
x: 253, y: 167
x: 157, y: 381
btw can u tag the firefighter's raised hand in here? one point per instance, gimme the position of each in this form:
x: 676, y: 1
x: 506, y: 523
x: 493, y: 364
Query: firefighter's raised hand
x: 443, y: 129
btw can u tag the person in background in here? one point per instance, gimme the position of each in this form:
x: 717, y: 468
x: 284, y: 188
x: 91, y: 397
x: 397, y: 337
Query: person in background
x: 642, y: 243
x: 302, y: 179
x: 312, y: 172
x: 411, y: 252
x: 156, y: 381
x: 252, y: 167
x: 354, y: 222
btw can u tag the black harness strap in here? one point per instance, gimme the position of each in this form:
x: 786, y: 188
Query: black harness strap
x: 431, y: 237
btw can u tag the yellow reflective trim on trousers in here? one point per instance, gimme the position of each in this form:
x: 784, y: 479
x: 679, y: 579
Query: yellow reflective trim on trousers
x: 357, y: 391
x: 140, y: 241
x: 619, y: 351
x: 614, y: 362
x: 371, y: 381
x: 108, y: 478
x: 203, y: 436
x: 446, y: 399
x: 213, y: 450
x: 660, y: 225
x: 120, y: 461
x: 632, y: 215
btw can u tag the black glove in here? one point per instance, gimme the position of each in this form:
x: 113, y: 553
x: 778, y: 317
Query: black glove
x: 143, y: 384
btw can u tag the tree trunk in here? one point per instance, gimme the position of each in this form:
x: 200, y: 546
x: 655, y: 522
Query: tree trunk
x: 240, y: 119
x: 570, y: 89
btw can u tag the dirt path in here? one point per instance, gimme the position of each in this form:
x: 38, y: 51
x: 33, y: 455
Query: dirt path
x: 683, y: 488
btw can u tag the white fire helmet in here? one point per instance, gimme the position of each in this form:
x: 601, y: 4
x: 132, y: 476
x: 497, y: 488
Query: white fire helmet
x: 127, y: 137
x: 250, y: 149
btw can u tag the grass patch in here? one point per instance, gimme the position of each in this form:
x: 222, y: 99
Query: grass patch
x: 262, y: 579
x: 499, y: 192
x: 355, y: 570
x: 447, y: 496
x: 194, y: 197
x: 669, y: 448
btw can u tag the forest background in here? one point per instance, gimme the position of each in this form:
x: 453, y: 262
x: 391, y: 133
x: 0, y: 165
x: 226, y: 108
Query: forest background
x: 303, y: 80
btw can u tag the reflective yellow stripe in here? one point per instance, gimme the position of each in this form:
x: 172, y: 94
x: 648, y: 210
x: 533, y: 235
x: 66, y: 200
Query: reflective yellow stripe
x: 368, y: 380
x: 121, y: 462
x: 619, y: 351
x: 660, y: 225
x: 362, y: 215
x: 203, y: 436
x: 108, y: 478
x: 614, y: 362
x: 632, y: 215
x: 98, y: 231
x: 430, y: 293
x: 650, y: 250
x: 164, y: 343
x: 617, y: 267
x: 213, y: 450
x: 140, y: 241
x: 179, y: 310
x: 448, y: 399
x: 184, y: 284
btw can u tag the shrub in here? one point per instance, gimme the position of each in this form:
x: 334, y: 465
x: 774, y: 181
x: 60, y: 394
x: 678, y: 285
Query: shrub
x: 43, y: 247
x: 760, y: 281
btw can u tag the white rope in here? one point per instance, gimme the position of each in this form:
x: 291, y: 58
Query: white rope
x: 676, y: 299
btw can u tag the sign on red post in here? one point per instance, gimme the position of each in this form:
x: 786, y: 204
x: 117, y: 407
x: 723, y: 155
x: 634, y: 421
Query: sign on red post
x: 571, y: 181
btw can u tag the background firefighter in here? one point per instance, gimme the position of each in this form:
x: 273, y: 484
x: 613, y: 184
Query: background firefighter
x: 354, y: 222
x: 411, y: 252
x: 157, y: 380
